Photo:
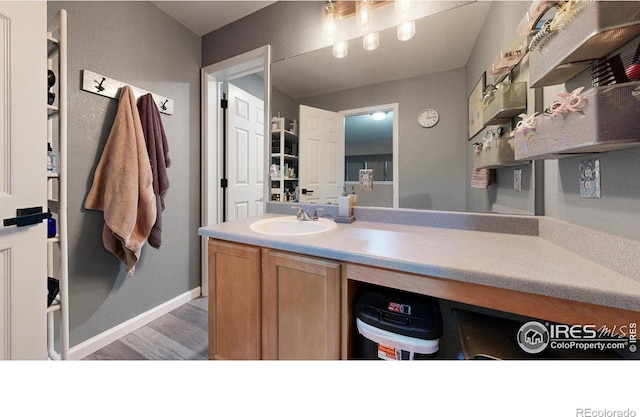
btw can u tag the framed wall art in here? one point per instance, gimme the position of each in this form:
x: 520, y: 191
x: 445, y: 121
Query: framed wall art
x: 475, y: 106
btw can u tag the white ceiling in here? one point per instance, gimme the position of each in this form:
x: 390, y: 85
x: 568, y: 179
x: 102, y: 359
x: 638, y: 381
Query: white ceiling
x: 203, y: 17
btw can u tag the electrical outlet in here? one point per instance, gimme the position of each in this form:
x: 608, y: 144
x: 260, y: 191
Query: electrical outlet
x: 589, y: 172
x: 517, y: 179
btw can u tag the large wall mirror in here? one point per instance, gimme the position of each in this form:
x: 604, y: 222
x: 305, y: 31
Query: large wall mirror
x: 431, y: 164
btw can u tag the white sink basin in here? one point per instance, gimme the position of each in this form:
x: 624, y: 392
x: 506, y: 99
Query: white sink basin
x: 291, y: 226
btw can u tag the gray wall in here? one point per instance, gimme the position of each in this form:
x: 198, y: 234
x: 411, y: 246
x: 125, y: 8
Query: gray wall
x: 431, y: 161
x: 618, y: 209
x: 498, y: 29
x: 137, y: 43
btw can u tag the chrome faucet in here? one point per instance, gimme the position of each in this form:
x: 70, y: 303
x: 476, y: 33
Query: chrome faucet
x: 305, y: 216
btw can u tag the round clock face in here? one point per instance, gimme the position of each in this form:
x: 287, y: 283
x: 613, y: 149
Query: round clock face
x: 428, y: 118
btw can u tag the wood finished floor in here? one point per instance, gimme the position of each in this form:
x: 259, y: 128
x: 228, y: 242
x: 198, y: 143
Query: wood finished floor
x: 178, y: 335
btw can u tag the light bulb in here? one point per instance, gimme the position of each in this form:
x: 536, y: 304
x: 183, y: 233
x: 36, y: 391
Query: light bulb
x: 330, y: 17
x: 406, y: 30
x: 370, y: 41
x: 363, y: 14
x: 379, y: 115
x: 403, y: 8
x: 340, y: 49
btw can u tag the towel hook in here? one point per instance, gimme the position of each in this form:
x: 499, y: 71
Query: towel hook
x: 99, y: 87
x: 163, y: 106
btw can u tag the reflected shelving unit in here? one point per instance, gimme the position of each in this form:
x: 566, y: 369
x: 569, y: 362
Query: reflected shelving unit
x: 285, y: 156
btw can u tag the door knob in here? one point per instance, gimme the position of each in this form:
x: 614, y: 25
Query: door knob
x: 27, y: 216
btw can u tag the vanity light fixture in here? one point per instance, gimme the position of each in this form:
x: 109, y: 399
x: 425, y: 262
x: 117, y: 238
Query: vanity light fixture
x: 340, y: 49
x: 371, y: 41
x: 363, y: 11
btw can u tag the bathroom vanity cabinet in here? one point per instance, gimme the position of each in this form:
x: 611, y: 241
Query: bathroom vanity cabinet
x: 234, y: 301
x: 266, y: 304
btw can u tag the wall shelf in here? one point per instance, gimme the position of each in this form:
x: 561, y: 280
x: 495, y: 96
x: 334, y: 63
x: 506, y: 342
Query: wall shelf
x: 500, y: 153
x: 509, y: 100
x: 574, y: 48
x: 609, y: 121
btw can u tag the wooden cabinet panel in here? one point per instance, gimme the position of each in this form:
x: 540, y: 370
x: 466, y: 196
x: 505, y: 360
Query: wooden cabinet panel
x: 301, y: 307
x: 234, y: 301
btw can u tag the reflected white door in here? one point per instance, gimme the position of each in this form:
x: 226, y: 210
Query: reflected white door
x: 245, y: 155
x: 321, y: 155
x: 23, y: 133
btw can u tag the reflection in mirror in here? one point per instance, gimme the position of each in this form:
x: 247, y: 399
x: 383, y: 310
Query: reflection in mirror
x: 369, y: 143
x: 427, y: 71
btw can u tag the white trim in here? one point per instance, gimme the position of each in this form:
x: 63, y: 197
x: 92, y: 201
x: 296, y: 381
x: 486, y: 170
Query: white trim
x: 396, y: 147
x: 96, y: 343
x: 213, y: 75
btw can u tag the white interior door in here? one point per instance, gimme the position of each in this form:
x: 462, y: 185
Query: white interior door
x: 23, y: 133
x: 321, y: 156
x: 245, y: 147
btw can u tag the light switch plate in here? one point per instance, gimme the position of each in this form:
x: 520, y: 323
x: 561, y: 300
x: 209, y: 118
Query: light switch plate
x: 517, y: 179
x: 589, y: 172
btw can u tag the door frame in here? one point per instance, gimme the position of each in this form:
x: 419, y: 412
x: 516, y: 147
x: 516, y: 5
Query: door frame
x: 212, y: 77
x: 381, y: 107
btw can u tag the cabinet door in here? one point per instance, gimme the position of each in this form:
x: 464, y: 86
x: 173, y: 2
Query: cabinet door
x: 234, y: 301
x: 301, y: 307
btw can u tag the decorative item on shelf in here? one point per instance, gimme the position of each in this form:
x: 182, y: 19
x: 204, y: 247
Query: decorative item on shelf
x: 572, y: 102
x: 607, y: 72
x: 51, y: 81
x: 51, y: 226
x: 52, y: 159
x: 632, y: 65
x: 274, y: 171
x: 488, y: 93
x: 527, y: 122
x: 567, y: 12
x: 510, y: 56
x: 537, y: 10
x: 543, y: 37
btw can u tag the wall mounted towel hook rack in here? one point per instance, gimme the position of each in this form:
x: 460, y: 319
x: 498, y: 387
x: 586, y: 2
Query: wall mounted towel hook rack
x: 108, y: 87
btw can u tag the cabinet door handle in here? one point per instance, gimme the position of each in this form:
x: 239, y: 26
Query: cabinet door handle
x: 305, y: 191
x: 27, y: 216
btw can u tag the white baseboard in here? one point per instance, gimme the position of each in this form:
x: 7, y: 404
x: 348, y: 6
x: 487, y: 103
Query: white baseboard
x: 96, y: 343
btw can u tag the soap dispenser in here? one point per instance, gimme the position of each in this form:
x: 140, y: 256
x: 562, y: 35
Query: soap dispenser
x: 345, y: 210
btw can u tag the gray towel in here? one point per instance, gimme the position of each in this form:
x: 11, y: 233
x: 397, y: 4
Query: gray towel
x: 158, y: 151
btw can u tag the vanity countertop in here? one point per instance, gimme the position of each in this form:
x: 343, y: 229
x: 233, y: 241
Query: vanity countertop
x: 527, y: 263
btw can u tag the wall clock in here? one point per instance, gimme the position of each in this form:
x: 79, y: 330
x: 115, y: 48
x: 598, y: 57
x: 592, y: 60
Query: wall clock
x: 428, y: 118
